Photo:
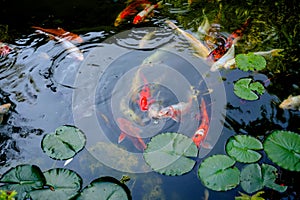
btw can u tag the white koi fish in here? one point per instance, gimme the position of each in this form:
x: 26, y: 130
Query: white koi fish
x: 292, y: 102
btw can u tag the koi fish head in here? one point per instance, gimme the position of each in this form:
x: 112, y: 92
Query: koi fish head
x: 166, y: 112
x: 198, y: 137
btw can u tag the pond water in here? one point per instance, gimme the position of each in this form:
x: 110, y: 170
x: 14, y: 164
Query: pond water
x: 49, y: 87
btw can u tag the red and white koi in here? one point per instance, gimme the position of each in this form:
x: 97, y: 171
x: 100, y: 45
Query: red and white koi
x: 130, y: 131
x: 176, y: 111
x: 141, y: 16
x: 145, y: 98
x: 131, y: 9
x: 202, y: 130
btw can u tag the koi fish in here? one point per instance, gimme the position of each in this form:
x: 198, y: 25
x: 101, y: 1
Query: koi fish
x: 141, y: 16
x: 218, y: 52
x: 202, y: 130
x: 176, y: 110
x: 145, y: 95
x: 59, y: 32
x: 70, y: 48
x: 292, y: 102
x: 3, y: 110
x: 199, y: 48
x: 132, y: 132
x: 4, y: 49
x: 131, y: 9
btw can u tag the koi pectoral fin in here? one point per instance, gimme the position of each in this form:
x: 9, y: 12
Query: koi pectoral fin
x: 122, y: 136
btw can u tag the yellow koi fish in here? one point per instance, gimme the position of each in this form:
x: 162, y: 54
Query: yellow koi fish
x: 292, y: 102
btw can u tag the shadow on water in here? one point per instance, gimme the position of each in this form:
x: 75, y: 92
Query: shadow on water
x: 38, y: 77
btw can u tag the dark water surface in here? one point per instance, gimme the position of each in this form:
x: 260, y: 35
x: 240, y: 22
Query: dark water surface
x: 41, y: 81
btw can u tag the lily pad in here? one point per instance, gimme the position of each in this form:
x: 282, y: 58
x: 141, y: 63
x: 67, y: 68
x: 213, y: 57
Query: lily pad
x: 63, y: 184
x: 256, y: 196
x: 105, y: 188
x: 22, y: 179
x: 250, y: 61
x: 64, y: 143
x: 218, y: 173
x: 254, y: 178
x: 283, y: 148
x: 242, y: 148
x: 248, y: 90
x: 171, y: 154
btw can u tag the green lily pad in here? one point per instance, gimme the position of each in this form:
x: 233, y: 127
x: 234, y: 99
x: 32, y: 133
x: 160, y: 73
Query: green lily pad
x: 105, y: 188
x: 63, y: 184
x: 218, y: 173
x: 242, y: 148
x: 64, y: 143
x: 283, y: 148
x: 250, y: 61
x: 171, y: 154
x: 248, y: 90
x: 254, y: 178
x: 22, y: 179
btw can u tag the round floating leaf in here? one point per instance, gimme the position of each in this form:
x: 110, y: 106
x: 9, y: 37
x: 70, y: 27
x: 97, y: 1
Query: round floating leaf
x: 64, y: 143
x: 245, y: 89
x: 63, y: 184
x: 251, y: 178
x: 254, y: 178
x: 283, y: 148
x: 250, y: 61
x: 105, y: 188
x: 171, y: 153
x: 23, y: 178
x: 218, y: 173
x: 242, y: 148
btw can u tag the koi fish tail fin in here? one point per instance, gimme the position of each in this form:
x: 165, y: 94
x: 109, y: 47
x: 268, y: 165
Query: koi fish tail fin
x: 122, y: 136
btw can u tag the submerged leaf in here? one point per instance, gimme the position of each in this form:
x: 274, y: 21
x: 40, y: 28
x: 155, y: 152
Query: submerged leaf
x: 218, y: 173
x: 105, y: 188
x: 64, y: 143
x: 250, y: 61
x: 171, y: 153
x: 22, y: 179
x: 245, y: 89
x: 242, y: 148
x: 283, y: 148
x: 63, y: 184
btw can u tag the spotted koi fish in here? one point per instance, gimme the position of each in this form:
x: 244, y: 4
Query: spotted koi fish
x: 218, y: 52
x: 4, y: 49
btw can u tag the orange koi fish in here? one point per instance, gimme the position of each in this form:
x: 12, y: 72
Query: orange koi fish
x: 144, y: 13
x: 202, y: 130
x: 145, y: 95
x: 4, y: 49
x: 59, y: 32
x: 126, y: 128
x: 218, y: 52
x: 176, y: 110
x: 131, y: 9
